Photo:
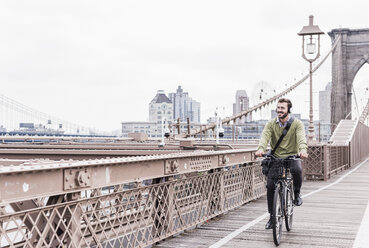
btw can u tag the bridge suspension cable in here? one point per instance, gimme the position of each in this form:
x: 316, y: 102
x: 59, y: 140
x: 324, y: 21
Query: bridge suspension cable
x: 270, y: 100
x: 365, y: 113
x: 14, y: 112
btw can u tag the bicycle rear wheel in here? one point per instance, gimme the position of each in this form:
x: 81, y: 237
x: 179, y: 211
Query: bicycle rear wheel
x: 289, y: 209
x: 277, y: 216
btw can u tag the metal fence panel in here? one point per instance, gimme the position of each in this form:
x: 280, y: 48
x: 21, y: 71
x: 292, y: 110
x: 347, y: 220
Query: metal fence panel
x: 120, y: 217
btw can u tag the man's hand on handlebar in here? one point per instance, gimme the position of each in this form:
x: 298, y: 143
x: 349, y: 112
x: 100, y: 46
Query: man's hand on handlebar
x: 259, y: 153
x: 303, y: 155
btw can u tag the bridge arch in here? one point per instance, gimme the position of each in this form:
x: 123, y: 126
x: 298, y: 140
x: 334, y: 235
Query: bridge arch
x: 360, y: 90
x: 351, y: 53
x: 359, y: 64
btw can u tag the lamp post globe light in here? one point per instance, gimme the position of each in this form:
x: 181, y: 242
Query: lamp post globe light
x: 310, y: 36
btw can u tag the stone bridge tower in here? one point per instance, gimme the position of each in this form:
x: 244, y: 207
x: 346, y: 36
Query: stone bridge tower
x: 351, y: 53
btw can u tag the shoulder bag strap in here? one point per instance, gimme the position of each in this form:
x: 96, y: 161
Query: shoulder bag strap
x: 284, y: 132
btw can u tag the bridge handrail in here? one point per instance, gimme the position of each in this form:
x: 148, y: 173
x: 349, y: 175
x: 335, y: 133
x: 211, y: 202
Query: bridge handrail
x: 359, y: 143
x: 141, y: 200
x: 109, y: 201
x: 327, y: 159
x: 72, y: 176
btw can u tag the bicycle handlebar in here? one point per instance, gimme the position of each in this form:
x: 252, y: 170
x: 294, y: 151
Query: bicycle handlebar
x: 291, y: 157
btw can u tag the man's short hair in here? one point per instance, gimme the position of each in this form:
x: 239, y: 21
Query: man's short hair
x: 289, y: 103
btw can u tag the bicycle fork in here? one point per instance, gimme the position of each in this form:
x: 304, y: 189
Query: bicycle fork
x: 283, y: 196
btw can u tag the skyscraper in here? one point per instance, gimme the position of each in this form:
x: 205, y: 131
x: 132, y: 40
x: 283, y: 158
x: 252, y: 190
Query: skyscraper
x: 241, y: 104
x: 184, y: 106
x: 325, y: 104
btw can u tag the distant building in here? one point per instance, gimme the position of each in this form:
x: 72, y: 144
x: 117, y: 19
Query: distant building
x: 248, y: 130
x: 36, y: 129
x: 152, y: 129
x: 241, y: 104
x: 211, y: 120
x: 325, y: 104
x: 161, y: 107
x: 184, y: 106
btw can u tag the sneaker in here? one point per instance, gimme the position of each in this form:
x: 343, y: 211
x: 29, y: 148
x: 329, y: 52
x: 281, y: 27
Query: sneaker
x: 298, y: 201
x: 269, y: 224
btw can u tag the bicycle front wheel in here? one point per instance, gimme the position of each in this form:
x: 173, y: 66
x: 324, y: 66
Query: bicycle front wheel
x: 277, y: 215
x: 289, y: 209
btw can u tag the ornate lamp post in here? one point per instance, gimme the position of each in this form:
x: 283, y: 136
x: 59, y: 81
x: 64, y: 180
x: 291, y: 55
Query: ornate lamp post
x: 310, y: 35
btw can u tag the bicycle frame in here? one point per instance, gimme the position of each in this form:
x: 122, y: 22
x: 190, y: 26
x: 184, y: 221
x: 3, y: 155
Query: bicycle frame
x: 283, y: 195
x: 284, y: 183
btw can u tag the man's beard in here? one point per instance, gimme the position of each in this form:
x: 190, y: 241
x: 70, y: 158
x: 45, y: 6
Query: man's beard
x: 283, y: 116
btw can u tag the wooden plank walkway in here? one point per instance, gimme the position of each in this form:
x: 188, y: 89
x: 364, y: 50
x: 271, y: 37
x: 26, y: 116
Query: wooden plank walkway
x: 330, y: 217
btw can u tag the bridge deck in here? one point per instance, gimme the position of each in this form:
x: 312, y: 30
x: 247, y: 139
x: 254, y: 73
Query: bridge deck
x: 331, y: 216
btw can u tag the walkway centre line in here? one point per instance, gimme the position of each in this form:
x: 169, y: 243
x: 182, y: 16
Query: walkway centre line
x: 243, y: 228
x: 362, y: 237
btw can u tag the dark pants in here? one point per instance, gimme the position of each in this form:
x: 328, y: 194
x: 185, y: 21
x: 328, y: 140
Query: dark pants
x: 296, y: 171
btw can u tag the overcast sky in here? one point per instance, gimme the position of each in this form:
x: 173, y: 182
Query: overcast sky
x: 98, y: 63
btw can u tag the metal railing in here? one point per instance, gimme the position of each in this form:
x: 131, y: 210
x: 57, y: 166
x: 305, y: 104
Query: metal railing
x: 325, y: 160
x: 359, y: 143
x: 138, y: 201
x: 92, y: 204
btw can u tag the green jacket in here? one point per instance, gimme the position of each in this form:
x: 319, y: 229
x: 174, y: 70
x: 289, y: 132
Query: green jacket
x: 293, y: 143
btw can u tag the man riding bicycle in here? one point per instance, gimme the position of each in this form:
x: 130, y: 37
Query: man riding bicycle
x: 293, y: 142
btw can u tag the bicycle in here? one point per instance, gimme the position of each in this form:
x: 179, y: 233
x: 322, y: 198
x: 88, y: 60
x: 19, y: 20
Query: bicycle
x: 283, y: 194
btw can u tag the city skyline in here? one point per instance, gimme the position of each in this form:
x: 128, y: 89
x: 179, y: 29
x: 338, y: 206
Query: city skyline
x: 88, y: 63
